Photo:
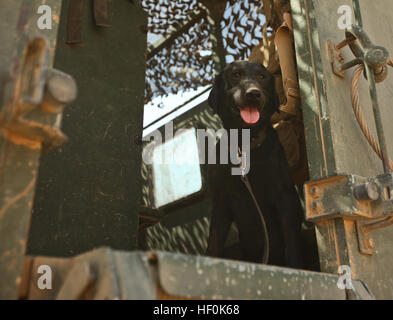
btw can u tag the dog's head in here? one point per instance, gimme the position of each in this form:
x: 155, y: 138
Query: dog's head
x: 244, y: 95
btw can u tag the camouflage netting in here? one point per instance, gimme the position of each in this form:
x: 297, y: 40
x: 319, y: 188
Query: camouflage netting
x: 186, y: 63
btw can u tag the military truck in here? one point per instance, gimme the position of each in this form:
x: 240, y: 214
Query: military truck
x: 83, y: 217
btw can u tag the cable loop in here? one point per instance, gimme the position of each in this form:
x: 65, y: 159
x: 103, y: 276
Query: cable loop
x: 359, y: 114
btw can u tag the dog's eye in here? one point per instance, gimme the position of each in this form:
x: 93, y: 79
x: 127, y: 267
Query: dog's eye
x: 236, y: 74
x: 261, y: 76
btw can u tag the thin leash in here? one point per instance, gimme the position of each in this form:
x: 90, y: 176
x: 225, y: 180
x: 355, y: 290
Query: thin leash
x: 244, y: 178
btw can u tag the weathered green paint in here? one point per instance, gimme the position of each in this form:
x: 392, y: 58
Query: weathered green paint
x: 348, y: 151
x: 158, y: 274
x: 357, y: 12
x: 201, y: 277
x: 321, y: 160
x: 376, y: 270
x: 88, y: 191
x: 320, y: 156
x: 18, y: 164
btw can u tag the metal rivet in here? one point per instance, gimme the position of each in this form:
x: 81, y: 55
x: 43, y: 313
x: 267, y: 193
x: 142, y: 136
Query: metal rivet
x: 314, y: 191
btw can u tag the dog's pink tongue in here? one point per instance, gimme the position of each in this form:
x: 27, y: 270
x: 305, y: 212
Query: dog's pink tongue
x: 249, y: 114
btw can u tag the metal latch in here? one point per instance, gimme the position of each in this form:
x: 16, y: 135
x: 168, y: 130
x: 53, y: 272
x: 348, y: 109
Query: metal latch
x: 369, y: 201
x: 33, y: 96
x: 348, y: 196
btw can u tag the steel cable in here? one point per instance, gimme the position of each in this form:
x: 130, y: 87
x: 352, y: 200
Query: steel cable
x: 359, y: 114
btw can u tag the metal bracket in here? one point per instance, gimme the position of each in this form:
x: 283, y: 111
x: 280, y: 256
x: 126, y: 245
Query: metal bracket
x: 368, y: 201
x: 335, y: 58
x: 363, y: 228
x: 36, y: 92
x: 376, y: 57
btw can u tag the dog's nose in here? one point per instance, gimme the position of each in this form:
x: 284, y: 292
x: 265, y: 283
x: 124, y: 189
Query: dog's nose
x: 253, y: 94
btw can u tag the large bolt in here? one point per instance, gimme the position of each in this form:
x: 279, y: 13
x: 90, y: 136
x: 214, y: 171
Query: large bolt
x: 367, y: 191
x: 376, y: 57
x: 60, y: 90
x: 316, y: 206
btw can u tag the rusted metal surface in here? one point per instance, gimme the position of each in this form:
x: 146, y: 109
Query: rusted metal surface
x: 25, y: 278
x: 348, y: 196
x: 36, y: 88
x: 352, y: 197
x: 24, y: 125
x: 335, y: 58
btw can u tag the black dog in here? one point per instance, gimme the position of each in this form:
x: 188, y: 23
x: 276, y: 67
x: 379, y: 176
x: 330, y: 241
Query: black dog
x: 244, y: 96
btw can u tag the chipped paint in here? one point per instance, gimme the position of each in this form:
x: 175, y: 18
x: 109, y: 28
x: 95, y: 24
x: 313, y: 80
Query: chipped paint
x: 240, y: 280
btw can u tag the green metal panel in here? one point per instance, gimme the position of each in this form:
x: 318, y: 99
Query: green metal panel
x: 89, y: 190
x: 334, y: 141
x: 163, y: 275
x: 200, y: 277
x: 18, y: 163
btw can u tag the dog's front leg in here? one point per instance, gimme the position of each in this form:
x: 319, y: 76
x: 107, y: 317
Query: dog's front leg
x: 219, y: 227
x: 291, y: 227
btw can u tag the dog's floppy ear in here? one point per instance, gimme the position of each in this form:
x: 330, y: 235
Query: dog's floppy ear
x: 216, y: 93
